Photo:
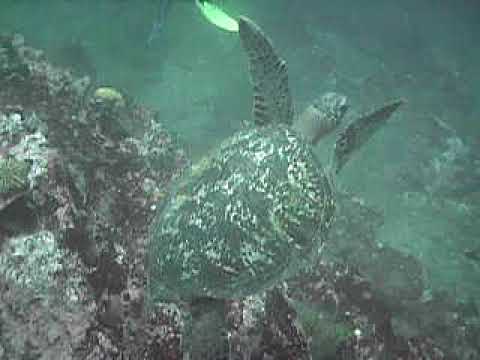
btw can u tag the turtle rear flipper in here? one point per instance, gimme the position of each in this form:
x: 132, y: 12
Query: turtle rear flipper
x: 272, y: 98
x: 359, y: 131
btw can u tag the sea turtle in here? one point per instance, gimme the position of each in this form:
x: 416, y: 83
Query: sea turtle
x: 253, y: 210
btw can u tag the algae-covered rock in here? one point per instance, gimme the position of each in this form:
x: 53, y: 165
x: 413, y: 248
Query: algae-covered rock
x: 109, y: 94
x: 37, y: 262
x: 13, y: 174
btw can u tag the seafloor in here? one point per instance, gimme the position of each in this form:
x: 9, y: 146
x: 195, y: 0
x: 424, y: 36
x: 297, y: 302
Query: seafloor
x: 81, y: 171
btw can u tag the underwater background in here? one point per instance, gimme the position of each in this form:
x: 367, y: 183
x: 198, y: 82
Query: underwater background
x: 422, y: 171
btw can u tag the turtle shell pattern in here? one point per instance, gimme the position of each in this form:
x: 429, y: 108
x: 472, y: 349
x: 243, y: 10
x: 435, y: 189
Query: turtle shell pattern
x: 245, y: 217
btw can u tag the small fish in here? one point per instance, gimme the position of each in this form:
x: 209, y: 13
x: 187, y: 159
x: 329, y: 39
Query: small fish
x: 472, y: 254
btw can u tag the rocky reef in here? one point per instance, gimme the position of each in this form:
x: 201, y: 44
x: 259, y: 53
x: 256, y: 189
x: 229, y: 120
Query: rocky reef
x: 77, y: 196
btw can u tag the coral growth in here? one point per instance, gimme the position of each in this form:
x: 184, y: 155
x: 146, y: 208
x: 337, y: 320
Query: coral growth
x: 73, y: 244
x: 13, y: 174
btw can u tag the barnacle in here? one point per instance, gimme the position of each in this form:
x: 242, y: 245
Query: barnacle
x: 13, y: 174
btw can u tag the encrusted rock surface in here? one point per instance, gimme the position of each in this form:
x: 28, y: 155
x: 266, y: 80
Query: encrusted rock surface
x: 86, y: 204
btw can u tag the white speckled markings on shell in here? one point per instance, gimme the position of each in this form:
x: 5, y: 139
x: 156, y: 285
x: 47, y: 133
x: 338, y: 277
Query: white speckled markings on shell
x: 244, y: 218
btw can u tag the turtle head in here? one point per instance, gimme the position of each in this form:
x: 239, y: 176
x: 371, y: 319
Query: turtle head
x: 335, y: 104
x: 321, y: 117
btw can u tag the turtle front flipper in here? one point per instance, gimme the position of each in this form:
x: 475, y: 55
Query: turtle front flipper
x: 359, y: 131
x: 272, y: 98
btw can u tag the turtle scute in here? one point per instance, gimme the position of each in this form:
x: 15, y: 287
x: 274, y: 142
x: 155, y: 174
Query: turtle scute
x: 244, y: 218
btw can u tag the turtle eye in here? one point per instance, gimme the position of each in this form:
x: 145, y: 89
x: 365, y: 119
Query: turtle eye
x: 342, y: 143
x: 343, y: 108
